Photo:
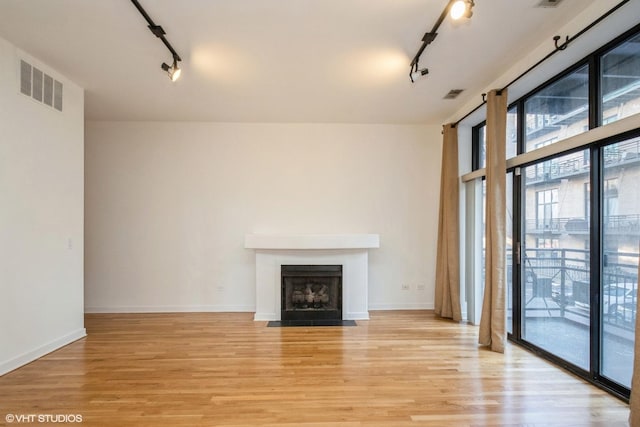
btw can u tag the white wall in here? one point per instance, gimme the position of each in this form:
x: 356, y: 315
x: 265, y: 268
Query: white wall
x: 41, y: 218
x: 168, y: 205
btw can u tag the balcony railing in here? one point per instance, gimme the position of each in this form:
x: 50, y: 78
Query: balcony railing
x: 617, y: 154
x: 613, y: 224
x: 560, y: 278
x: 557, y: 169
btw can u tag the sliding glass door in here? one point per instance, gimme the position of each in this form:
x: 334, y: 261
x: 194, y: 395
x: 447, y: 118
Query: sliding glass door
x: 573, y: 215
x: 555, y: 258
x: 620, y: 238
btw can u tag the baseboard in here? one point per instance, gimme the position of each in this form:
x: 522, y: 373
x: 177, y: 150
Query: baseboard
x: 236, y: 308
x: 356, y: 315
x: 43, y: 350
x: 421, y: 306
x: 171, y: 309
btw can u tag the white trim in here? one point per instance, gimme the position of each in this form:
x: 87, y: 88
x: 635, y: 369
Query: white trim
x: 413, y: 306
x: 171, y: 309
x: 265, y: 317
x: 356, y: 315
x: 311, y: 241
x: 478, y: 173
x: 36, y: 353
x: 582, y: 140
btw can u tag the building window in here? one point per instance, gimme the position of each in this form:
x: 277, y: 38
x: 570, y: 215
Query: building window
x: 546, y: 243
x: 610, y: 197
x: 547, y: 209
x: 546, y: 247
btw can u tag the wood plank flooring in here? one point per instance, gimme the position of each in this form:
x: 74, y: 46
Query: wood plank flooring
x: 403, y: 368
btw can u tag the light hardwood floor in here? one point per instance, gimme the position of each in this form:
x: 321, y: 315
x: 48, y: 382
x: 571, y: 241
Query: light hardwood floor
x: 403, y: 368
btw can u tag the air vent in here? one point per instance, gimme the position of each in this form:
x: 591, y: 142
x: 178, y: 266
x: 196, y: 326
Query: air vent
x: 25, y: 78
x: 48, y: 90
x: 453, y: 93
x: 549, y: 3
x: 40, y: 86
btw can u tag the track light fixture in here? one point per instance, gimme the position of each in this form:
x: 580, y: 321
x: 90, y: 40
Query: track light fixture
x: 173, y: 71
x: 416, y: 74
x: 461, y: 9
x: 457, y: 9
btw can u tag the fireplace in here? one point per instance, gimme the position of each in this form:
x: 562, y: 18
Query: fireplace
x: 311, y: 293
x: 351, y: 251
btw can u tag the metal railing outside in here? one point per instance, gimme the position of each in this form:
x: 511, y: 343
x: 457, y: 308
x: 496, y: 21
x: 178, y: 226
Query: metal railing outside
x: 561, y: 278
x: 627, y: 224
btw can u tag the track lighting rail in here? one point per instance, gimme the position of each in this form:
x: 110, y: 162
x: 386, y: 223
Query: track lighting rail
x: 159, y: 32
x: 429, y: 37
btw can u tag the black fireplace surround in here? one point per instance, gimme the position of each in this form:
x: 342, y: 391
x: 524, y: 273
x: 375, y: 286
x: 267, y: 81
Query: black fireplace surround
x: 311, y: 293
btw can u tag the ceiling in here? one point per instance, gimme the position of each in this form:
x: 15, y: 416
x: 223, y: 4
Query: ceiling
x: 332, y: 61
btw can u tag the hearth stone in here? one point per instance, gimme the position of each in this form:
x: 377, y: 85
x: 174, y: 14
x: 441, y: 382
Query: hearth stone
x: 287, y: 323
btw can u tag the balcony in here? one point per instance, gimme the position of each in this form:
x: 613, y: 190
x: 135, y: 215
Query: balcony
x: 556, y: 305
x: 624, y: 154
x: 563, y: 276
x: 613, y: 224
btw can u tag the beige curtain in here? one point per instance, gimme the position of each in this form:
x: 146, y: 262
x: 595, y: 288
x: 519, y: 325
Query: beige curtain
x: 447, y: 298
x: 634, y: 402
x: 494, y: 315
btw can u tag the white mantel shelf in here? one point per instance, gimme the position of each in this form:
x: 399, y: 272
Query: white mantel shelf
x: 311, y: 241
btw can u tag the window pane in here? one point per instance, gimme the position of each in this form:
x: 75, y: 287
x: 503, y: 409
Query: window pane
x: 555, y: 261
x: 482, y: 146
x: 620, y: 233
x: 509, y: 251
x: 484, y: 231
x: 512, y: 132
x: 558, y: 111
x: 620, y: 81
x: 511, y: 148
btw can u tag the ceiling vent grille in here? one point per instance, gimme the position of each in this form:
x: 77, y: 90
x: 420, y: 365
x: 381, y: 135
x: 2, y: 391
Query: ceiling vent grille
x: 453, y: 93
x: 40, y: 86
x: 549, y: 3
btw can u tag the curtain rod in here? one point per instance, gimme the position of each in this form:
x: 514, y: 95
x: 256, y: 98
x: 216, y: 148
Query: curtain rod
x: 558, y: 48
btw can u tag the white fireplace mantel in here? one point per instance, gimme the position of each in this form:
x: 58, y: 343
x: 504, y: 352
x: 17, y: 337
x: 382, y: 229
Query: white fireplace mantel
x: 311, y: 241
x: 349, y: 250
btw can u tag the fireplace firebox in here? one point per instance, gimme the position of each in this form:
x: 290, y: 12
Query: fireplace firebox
x: 311, y: 293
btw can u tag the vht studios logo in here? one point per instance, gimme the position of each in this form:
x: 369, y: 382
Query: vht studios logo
x: 43, y: 418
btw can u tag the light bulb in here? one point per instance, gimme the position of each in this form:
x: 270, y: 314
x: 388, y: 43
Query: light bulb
x: 458, y: 9
x: 415, y: 75
x: 173, y: 71
x: 176, y: 73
